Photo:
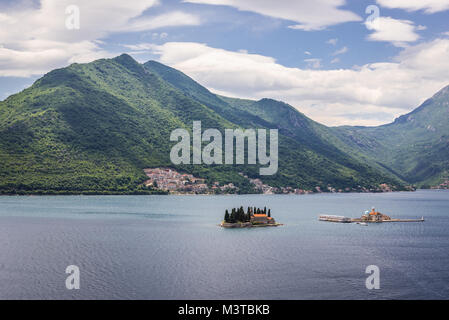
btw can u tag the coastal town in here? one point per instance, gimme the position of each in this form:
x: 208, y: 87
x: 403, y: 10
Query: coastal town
x: 444, y: 185
x: 263, y: 188
x: 174, y: 182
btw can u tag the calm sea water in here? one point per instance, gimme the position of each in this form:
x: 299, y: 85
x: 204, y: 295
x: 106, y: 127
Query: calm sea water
x: 170, y: 247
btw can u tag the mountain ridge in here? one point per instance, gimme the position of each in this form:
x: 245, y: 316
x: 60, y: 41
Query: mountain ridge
x: 93, y: 128
x: 415, y: 145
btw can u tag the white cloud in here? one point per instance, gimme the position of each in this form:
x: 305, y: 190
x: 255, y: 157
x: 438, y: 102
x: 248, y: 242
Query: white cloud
x: 5, y: 19
x: 332, y: 41
x: 170, y: 19
x: 142, y: 46
x: 34, y: 40
x: 370, y: 95
x: 160, y: 36
x: 429, y: 6
x: 335, y: 60
x: 309, y: 15
x: 392, y: 30
x: 313, y: 63
x: 340, y: 51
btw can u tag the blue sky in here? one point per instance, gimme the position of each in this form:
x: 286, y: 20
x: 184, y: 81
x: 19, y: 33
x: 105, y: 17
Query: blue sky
x: 323, y: 57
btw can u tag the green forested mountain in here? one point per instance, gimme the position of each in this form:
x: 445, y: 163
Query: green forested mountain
x: 415, y: 146
x: 319, y: 160
x: 93, y: 128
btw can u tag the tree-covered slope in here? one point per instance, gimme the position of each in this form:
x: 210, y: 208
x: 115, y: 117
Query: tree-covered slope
x: 93, y: 128
x: 415, y: 145
x: 319, y: 158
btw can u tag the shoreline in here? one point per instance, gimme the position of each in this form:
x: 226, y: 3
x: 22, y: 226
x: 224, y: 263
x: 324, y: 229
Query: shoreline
x: 203, y: 195
x: 246, y: 225
x: 358, y: 220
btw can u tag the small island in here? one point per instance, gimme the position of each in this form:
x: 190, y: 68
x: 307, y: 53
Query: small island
x: 254, y: 217
x: 368, y: 217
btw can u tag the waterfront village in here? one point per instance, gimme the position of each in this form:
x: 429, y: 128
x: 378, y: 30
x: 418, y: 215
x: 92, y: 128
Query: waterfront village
x: 253, y: 217
x: 173, y: 182
x: 443, y: 185
x: 169, y: 180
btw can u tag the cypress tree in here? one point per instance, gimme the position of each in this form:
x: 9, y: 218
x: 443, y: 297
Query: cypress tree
x: 232, y: 217
x: 226, y: 217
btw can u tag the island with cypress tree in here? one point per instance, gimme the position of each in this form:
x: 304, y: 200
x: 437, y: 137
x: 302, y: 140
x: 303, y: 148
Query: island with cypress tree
x: 253, y: 217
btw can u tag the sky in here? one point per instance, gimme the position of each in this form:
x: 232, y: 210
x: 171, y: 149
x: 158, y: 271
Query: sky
x: 340, y: 62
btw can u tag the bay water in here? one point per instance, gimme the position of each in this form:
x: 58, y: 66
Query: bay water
x: 171, y: 247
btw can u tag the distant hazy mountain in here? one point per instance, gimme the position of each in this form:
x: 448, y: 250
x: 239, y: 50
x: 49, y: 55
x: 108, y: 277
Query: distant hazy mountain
x: 415, y: 146
x: 93, y: 128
